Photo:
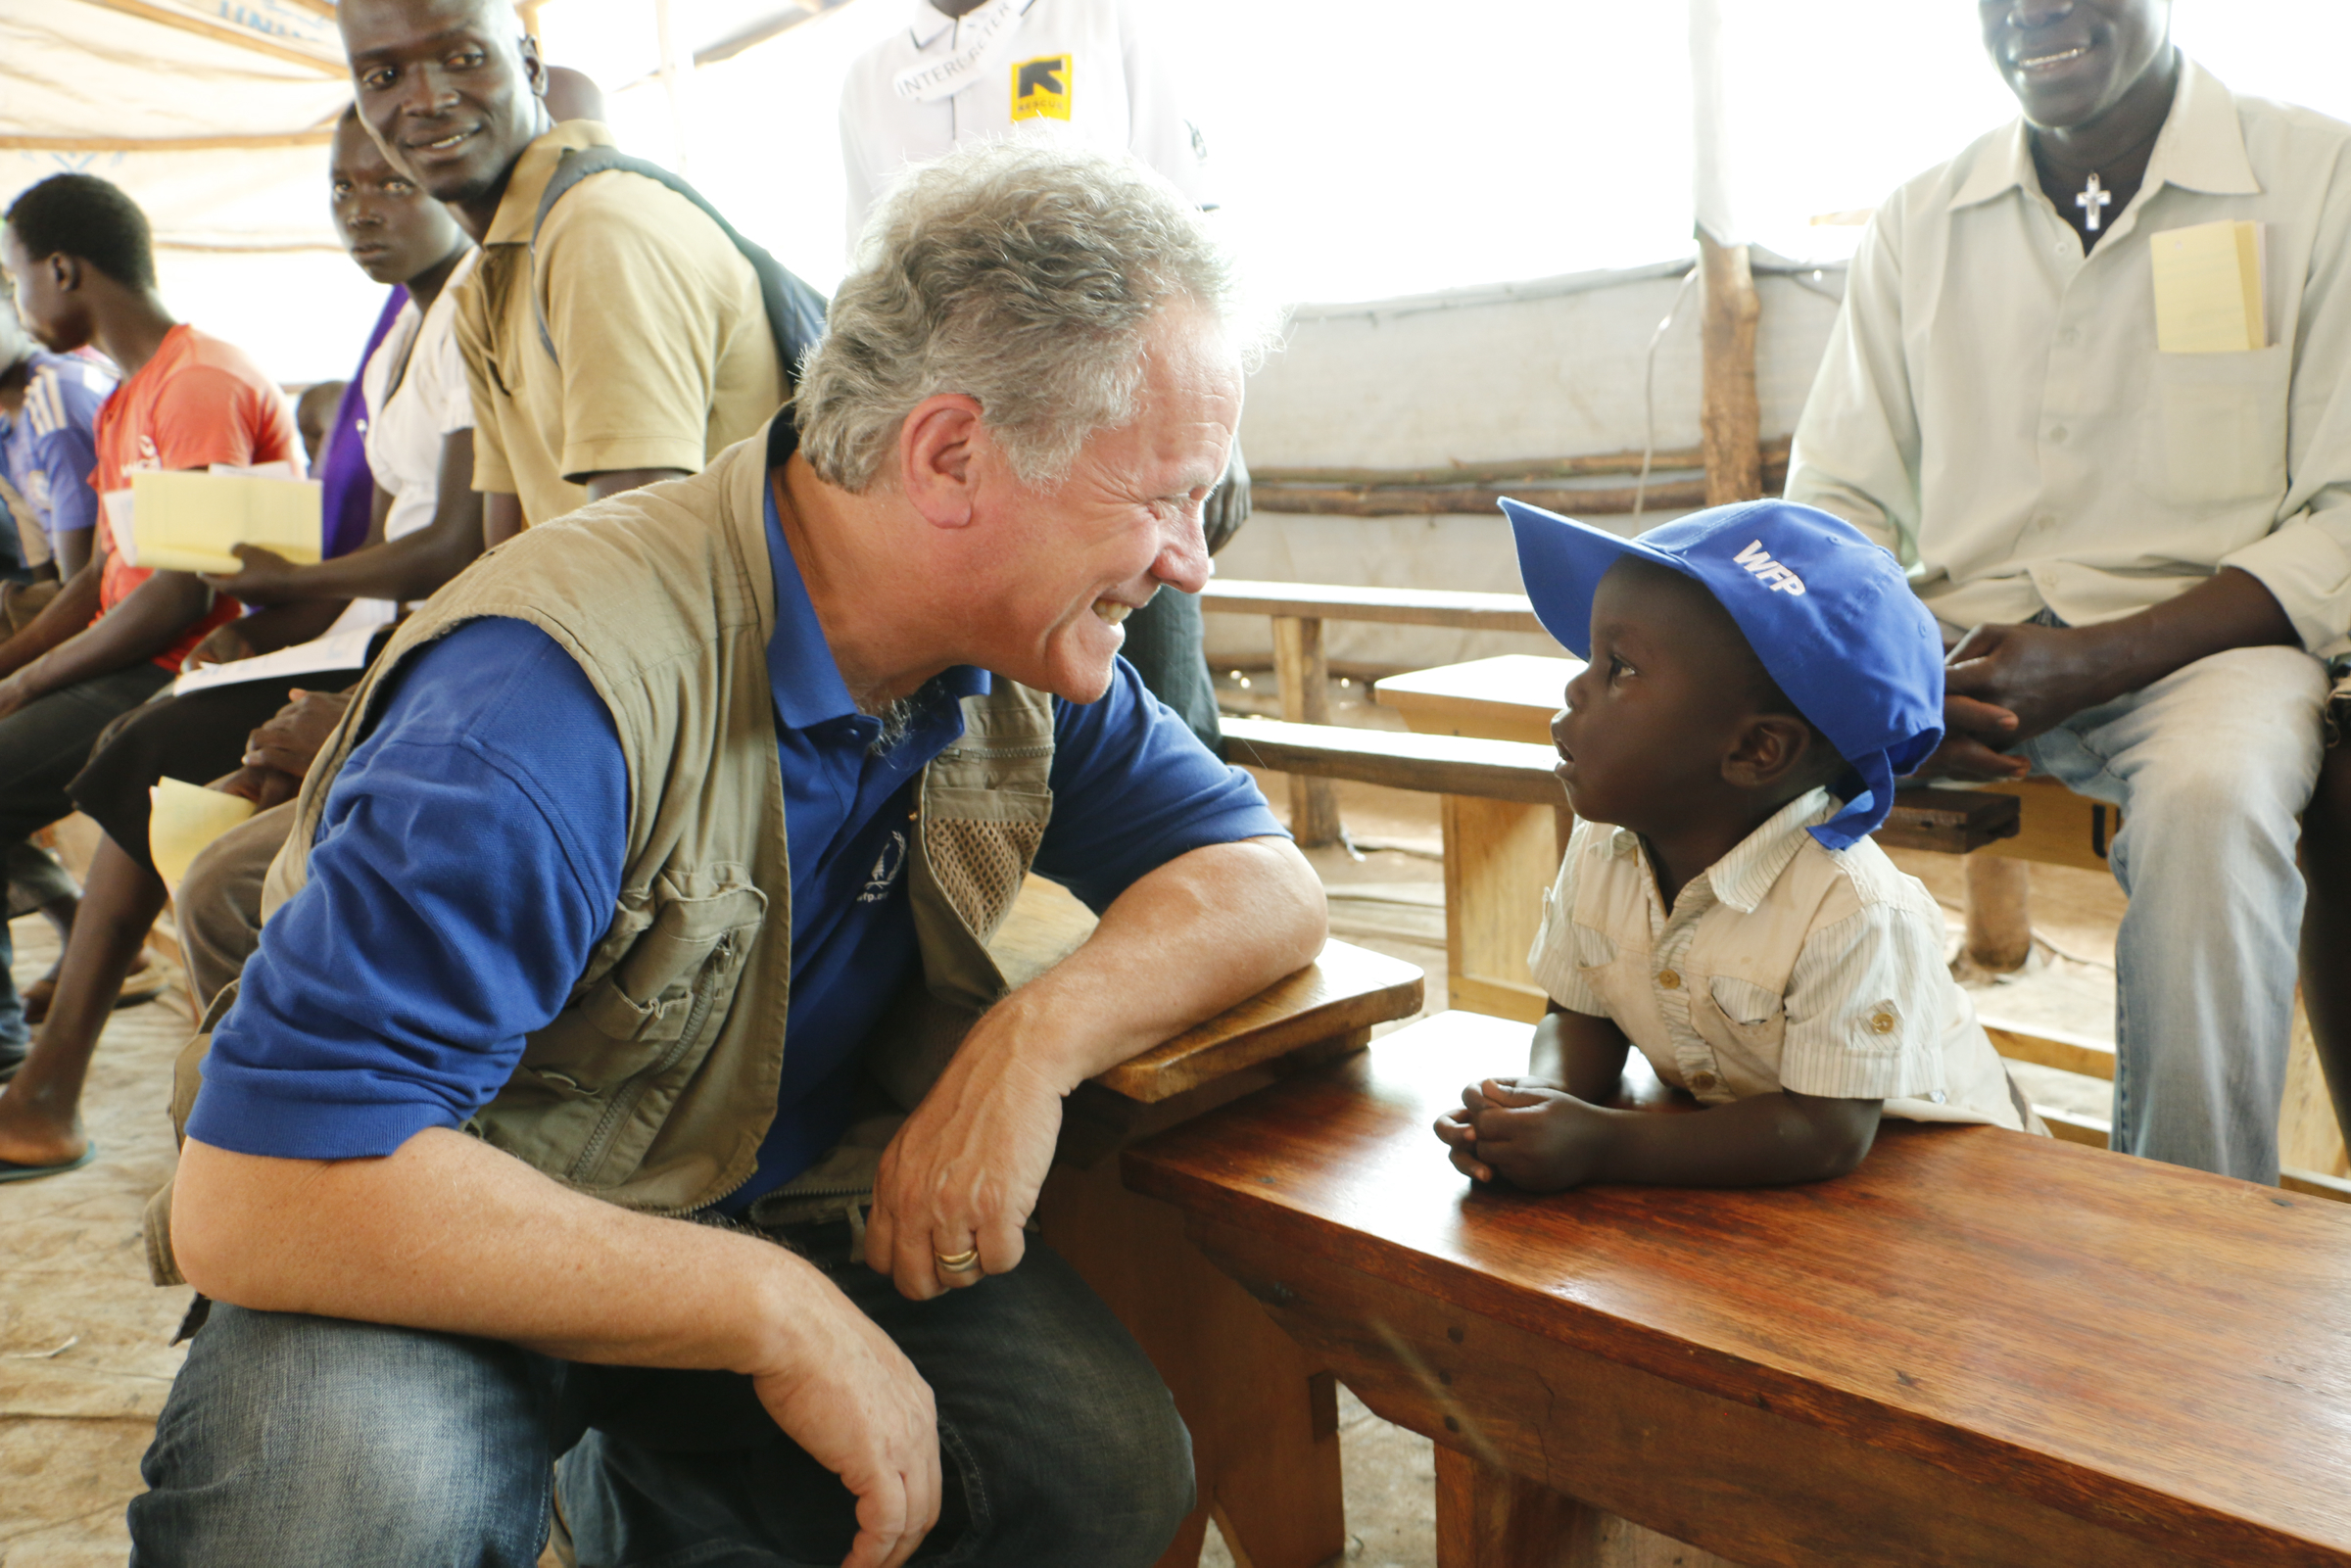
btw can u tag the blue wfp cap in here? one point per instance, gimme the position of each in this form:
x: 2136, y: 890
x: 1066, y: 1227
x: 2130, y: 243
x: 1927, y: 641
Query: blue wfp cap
x: 1828, y: 613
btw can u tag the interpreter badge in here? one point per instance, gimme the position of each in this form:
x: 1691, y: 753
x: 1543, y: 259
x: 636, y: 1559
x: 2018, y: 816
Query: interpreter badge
x: 1041, y: 88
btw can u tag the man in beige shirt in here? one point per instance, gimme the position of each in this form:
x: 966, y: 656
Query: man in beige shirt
x: 624, y: 345
x: 2136, y: 553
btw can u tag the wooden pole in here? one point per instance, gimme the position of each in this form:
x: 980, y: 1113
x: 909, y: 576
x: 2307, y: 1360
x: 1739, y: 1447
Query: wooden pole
x: 1731, y: 421
x: 1304, y: 676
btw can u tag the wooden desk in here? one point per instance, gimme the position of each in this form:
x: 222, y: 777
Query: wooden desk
x: 1978, y: 1349
x: 1500, y: 856
x: 1264, y: 1418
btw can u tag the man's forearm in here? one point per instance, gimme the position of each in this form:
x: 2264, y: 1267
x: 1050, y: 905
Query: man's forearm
x: 145, y: 623
x: 1204, y: 932
x: 452, y: 1235
x: 2230, y: 609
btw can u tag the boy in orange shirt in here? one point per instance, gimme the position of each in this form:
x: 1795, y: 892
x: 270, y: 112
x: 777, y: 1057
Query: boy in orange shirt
x: 80, y: 255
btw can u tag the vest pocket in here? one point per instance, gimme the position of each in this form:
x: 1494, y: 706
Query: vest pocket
x: 979, y: 844
x: 596, y: 1083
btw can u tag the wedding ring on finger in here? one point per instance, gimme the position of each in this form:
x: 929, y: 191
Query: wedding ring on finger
x: 962, y: 1263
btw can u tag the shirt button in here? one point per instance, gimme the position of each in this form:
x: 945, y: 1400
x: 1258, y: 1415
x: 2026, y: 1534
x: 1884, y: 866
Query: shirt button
x: 1669, y: 979
x: 2056, y: 432
x: 2044, y: 522
x: 1704, y: 1083
x: 1881, y: 1024
x: 2070, y: 336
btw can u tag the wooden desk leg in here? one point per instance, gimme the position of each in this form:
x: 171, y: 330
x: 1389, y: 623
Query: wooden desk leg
x: 1303, y: 672
x: 1999, y: 912
x: 1263, y: 1418
x: 1489, y: 1518
x: 1500, y: 859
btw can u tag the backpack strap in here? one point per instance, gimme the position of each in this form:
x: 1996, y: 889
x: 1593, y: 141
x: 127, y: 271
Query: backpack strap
x: 795, y: 312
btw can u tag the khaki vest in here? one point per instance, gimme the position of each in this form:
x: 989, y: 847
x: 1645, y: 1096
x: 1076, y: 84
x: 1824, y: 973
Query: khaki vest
x: 656, y: 1084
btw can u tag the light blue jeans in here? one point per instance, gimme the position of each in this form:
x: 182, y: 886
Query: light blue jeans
x: 2212, y: 767
x: 292, y: 1441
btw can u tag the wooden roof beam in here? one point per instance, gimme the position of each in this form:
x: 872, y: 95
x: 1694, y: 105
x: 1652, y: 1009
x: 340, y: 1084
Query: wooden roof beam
x: 220, y: 32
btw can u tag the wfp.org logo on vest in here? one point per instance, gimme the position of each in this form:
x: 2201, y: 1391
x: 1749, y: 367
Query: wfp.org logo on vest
x: 888, y: 868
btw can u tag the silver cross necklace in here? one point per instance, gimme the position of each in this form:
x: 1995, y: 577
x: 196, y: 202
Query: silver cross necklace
x: 2094, y: 197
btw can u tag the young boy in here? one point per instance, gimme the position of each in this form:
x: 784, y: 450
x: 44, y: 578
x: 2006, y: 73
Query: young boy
x: 1758, y: 676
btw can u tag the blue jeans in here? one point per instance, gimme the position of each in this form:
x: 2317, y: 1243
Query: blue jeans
x: 301, y: 1441
x: 2212, y: 767
x: 15, y: 1035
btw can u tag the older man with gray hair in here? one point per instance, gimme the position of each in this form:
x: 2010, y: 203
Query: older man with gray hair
x: 646, y: 896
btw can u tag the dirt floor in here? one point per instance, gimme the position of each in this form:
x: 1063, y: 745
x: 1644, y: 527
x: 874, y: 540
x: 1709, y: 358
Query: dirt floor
x: 85, y: 1340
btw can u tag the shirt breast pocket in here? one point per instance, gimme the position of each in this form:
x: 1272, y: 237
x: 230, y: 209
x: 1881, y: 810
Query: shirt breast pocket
x: 1754, y: 1018
x: 2219, y: 432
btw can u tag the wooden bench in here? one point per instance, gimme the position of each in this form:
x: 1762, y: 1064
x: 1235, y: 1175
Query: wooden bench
x: 1302, y: 671
x: 1264, y: 1419
x: 1980, y: 1348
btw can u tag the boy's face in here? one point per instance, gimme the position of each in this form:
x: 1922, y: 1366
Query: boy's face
x: 1652, y: 717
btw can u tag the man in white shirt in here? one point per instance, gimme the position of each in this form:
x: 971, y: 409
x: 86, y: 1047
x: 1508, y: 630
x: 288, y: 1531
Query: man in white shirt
x: 966, y: 70
x: 2137, y: 552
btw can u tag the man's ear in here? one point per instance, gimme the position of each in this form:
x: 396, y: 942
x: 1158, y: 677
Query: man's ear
x: 939, y: 449
x: 534, y: 65
x: 1771, y: 749
x: 65, y: 271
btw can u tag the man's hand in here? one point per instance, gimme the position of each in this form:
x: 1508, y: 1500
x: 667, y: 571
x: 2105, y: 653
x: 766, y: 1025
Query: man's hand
x: 266, y: 578
x: 226, y: 643
x: 1531, y: 1133
x: 264, y: 786
x: 292, y: 737
x: 965, y: 1169
x: 860, y: 1410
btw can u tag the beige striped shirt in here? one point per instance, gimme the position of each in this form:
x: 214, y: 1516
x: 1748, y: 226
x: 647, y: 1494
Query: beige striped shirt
x: 1785, y: 965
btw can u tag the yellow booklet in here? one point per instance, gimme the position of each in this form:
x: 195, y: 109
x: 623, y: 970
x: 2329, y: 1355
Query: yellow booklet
x: 185, y: 521
x: 184, y: 819
x: 2208, y: 294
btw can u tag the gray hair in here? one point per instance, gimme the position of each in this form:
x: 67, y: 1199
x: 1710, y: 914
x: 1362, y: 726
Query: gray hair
x: 1023, y: 274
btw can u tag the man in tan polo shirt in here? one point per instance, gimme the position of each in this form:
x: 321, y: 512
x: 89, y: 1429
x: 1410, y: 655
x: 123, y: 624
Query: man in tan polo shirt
x: 628, y: 343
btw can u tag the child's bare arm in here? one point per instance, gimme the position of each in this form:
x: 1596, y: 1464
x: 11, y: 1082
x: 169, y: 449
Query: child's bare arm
x: 1545, y: 1141
x: 1575, y: 1050
x: 1580, y: 1053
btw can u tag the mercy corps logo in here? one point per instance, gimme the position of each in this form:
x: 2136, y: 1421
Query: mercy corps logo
x: 1770, y: 573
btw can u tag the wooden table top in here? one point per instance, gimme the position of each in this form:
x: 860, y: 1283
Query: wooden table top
x: 1509, y: 698
x: 2162, y: 1351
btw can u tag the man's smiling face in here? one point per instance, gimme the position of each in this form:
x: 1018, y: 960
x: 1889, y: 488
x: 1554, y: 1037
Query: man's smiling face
x: 2070, y: 61
x: 449, y: 89
x: 1076, y: 557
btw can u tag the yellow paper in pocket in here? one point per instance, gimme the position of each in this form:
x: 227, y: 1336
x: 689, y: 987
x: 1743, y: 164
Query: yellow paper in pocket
x: 2208, y: 297
x: 183, y: 820
x: 185, y: 521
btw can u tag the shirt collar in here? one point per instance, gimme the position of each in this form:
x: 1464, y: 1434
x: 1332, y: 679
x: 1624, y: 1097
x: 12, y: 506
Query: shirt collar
x: 927, y: 22
x: 801, y: 674
x: 2200, y: 148
x: 519, y: 209
x: 1743, y: 876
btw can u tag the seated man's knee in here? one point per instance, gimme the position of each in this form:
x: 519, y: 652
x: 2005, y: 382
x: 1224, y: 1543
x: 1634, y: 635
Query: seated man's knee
x: 298, y: 1440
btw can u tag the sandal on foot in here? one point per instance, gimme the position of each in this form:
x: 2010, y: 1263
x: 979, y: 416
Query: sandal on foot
x: 10, y: 1171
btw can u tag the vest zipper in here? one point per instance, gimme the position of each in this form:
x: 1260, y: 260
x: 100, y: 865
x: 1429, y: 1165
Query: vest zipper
x: 960, y: 753
x: 599, y: 1142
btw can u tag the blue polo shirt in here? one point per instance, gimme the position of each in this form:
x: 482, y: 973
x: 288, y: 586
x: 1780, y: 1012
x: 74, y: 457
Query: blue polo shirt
x: 46, y: 447
x: 470, y: 855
